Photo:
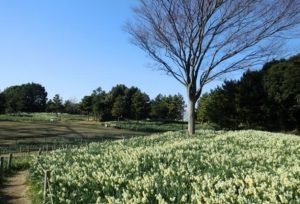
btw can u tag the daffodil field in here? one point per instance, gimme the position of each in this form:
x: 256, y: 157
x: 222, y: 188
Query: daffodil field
x: 211, y: 167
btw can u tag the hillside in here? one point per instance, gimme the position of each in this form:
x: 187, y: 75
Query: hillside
x: 211, y: 167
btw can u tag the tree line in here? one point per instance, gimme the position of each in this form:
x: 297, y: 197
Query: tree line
x: 120, y: 102
x: 266, y: 99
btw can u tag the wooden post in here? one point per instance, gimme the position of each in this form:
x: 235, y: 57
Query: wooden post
x: 10, y: 160
x: 1, y: 167
x: 40, y: 151
x: 46, y: 186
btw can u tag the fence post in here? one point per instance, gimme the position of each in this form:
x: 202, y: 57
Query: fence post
x: 40, y: 151
x: 46, y: 185
x: 9, y: 160
x: 1, y: 167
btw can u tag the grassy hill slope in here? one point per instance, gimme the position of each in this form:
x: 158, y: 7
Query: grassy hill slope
x: 211, y: 167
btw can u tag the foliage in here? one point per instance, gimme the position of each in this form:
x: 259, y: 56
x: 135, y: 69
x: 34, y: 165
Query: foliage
x: 119, y: 101
x: 149, y: 126
x: 33, y: 192
x: 167, y: 107
x: 140, y: 106
x: 14, y: 99
x: 202, y: 106
x: 175, y: 107
x: 99, y: 104
x: 126, y: 103
x: 2, y: 103
x: 29, y: 97
x: 18, y: 163
x: 41, y: 117
x: 219, y: 106
x: 159, y: 107
x: 55, y: 105
x: 35, y: 97
x: 211, y: 167
x: 282, y: 83
x: 86, y: 104
x: 265, y: 99
x: 71, y: 107
x: 119, y: 107
x: 251, y: 100
x: 129, y: 103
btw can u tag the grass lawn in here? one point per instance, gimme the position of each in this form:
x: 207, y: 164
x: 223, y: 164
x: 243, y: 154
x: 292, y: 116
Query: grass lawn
x: 32, y: 134
x: 31, y: 117
x: 23, y: 131
x: 156, y: 126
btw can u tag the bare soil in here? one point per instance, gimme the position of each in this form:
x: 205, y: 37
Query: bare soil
x: 14, y: 190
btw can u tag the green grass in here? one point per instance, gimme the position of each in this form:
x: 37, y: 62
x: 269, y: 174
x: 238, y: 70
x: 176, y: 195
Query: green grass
x: 33, y: 192
x: 18, y: 163
x: 29, y: 132
x: 46, y: 117
x: 210, y: 167
x: 21, y: 136
x: 155, y: 126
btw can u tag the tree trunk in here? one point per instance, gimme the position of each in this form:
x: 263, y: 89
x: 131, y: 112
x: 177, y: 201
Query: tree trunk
x: 191, y: 121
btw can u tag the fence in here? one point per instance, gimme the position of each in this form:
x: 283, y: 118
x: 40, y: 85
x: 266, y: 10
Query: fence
x: 11, y: 154
x: 10, y: 163
x: 49, y: 145
x: 8, y: 166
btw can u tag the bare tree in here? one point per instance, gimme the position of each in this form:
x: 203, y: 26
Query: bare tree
x: 197, y: 41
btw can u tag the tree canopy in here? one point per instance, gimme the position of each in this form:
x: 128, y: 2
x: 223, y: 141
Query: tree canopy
x: 123, y: 102
x: 55, y: 105
x: 29, y: 97
x: 265, y: 99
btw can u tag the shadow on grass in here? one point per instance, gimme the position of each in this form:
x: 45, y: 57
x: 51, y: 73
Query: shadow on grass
x: 30, y: 136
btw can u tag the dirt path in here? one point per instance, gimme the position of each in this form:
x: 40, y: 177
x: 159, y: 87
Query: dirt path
x: 14, y: 189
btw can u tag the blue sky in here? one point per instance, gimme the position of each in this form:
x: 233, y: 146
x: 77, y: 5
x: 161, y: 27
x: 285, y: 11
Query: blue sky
x: 73, y: 47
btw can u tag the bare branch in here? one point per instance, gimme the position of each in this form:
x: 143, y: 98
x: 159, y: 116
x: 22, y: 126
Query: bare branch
x: 197, y: 41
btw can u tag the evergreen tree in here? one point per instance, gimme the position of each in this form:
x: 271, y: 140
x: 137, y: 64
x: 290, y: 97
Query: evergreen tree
x: 35, y: 97
x: 100, y: 105
x: 2, y: 103
x: 55, y: 105
x: 29, y: 97
x: 159, y: 108
x: 265, y: 99
x: 14, y: 99
x: 86, y: 105
x: 140, y: 106
x: 119, y: 108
